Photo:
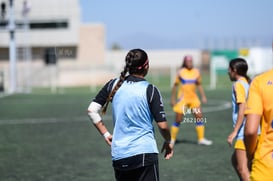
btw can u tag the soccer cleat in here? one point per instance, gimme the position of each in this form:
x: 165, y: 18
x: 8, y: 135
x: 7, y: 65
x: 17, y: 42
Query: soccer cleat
x: 205, y: 141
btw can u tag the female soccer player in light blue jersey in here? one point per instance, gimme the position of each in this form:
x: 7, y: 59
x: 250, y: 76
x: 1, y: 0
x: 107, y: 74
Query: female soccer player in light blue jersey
x: 135, y: 104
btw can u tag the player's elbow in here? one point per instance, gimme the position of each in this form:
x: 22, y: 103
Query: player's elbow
x: 250, y: 132
x: 93, y: 112
x: 252, y: 124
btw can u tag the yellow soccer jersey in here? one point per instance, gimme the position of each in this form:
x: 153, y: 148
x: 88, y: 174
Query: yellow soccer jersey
x: 239, y: 95
x: 240, y: 90
x: 187, y: 80
x: 260, y: 101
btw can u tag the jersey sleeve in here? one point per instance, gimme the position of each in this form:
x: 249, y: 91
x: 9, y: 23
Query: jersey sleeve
x: 254, y: 101
x: 101, y: 97
x: 240, y: 93
x: 156, y: 103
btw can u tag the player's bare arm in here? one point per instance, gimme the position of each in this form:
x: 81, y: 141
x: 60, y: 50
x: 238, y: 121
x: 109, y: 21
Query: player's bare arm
x: 250, y: 133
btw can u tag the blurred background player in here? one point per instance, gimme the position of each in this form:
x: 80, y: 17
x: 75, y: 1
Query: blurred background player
x: 135, y: 103
x: 259, y: 111
x: 186, y: 100
x: 237, y: 72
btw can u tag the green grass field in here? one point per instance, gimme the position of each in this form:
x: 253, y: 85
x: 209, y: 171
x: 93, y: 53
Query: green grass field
x: 49, y: 137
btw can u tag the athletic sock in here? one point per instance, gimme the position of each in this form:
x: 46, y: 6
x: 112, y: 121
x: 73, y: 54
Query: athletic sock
x: 200, y: 131
x: 174, y: 131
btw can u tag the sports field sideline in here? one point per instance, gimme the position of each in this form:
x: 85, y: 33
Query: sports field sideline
x: 46, y: 136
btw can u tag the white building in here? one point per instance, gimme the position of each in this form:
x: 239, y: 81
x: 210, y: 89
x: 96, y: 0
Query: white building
x: 51, y: 24
x: 54, y: 24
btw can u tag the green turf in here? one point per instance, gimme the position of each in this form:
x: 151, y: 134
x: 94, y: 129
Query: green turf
x: 47, y: 136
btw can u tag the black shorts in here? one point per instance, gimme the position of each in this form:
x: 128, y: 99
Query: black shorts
x: 143, y: 167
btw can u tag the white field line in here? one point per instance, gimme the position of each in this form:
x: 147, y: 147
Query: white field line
x: 2, y: 95
x: 216, y: 105
x: 43, y: 120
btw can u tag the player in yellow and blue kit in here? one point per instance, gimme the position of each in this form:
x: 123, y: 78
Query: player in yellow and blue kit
x: 259, y: 111
x: 186, y: 100
x: 237, y: 72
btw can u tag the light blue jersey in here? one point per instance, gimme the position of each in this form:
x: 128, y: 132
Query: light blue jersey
x: 235, y: 106
x: 133, y: 121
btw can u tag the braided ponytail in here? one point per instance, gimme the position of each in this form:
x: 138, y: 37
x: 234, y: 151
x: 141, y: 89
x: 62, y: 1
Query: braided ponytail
x: 122, y: 76
x: 136, y: 62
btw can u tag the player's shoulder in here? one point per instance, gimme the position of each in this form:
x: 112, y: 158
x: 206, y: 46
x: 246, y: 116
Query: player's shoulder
x: 152, y: 91
x: 264, y: 78
x: 196, y: 70
x: 264, y: 75
x: 239, y: 86
x: 152, y: 87
x: 181, y: 71
x: 109, y: 85
x: 241, y: 82
x: 189, y: 70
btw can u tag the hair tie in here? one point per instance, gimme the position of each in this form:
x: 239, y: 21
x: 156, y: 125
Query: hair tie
x: 142, y: 66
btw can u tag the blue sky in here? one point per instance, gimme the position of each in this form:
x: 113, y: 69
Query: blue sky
x: 175, y: 24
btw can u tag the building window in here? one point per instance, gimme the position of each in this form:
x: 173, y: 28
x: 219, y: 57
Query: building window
x: 48, y: 25
x: 39, y: 24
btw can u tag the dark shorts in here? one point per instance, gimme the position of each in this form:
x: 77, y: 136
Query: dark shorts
x: 143, y: 167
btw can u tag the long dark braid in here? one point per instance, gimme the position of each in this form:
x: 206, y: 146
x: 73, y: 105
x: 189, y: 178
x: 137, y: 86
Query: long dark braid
x: 133, y: 64
x: 241, y: 67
